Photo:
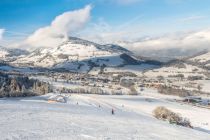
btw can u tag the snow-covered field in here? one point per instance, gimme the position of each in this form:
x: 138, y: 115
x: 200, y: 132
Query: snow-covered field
x: 89, y: 117
x: 136, y: 69
x: 205, y: 85
x: 189, y: 70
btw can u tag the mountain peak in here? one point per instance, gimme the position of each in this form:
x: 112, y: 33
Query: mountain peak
x: 76, y: 51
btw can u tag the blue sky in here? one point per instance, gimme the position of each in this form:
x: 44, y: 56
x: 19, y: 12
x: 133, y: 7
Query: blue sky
x: 20, y: 18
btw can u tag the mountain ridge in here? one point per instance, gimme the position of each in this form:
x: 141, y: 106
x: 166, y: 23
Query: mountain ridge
x: 76, y: 54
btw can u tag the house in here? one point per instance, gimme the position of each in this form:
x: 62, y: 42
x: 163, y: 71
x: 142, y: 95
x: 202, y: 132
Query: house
x: 192, y: 99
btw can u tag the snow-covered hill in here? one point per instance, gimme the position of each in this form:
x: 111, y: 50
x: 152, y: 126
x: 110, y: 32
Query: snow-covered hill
x: 77, y: 55
x: 203, y: 59
x: 176, y: 69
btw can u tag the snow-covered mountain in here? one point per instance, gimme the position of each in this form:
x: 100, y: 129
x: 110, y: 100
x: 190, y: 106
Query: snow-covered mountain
x: 77, y: 54
x: 9, y: 54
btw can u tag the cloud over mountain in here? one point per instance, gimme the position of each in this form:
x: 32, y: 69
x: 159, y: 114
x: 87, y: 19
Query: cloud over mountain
x: 59, y: 29
x: 179, y: 44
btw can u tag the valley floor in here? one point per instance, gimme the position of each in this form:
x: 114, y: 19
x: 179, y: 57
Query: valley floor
x: 89, y: 117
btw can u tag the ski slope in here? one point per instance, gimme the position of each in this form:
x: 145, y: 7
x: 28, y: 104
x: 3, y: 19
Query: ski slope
x: 36, y: 118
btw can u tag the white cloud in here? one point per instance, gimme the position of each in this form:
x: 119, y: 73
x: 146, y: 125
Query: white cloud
x: 59, y: 29
x: 184, y: 40
x: 179, y: 44
x: 131, y: 35
x: 1, y: 33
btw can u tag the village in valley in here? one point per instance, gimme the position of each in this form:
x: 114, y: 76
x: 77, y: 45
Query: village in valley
x: 191, y: 84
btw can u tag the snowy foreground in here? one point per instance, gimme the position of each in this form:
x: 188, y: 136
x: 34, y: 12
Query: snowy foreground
x: 89, y: 117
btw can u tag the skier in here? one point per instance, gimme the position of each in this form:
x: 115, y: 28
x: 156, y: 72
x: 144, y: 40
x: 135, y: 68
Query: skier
x: 112, y: 111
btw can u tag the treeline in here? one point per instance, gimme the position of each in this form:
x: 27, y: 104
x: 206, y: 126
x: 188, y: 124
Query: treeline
x: 173, y: 91
x: 20, y: 86
x: 97, y: 90
x: 168, y: 90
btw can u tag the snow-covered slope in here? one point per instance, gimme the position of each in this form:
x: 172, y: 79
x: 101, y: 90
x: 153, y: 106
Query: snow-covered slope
x: 81, y: 118
x: 176, y: 69
x: 203, y: 59
x: 77, y: 54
